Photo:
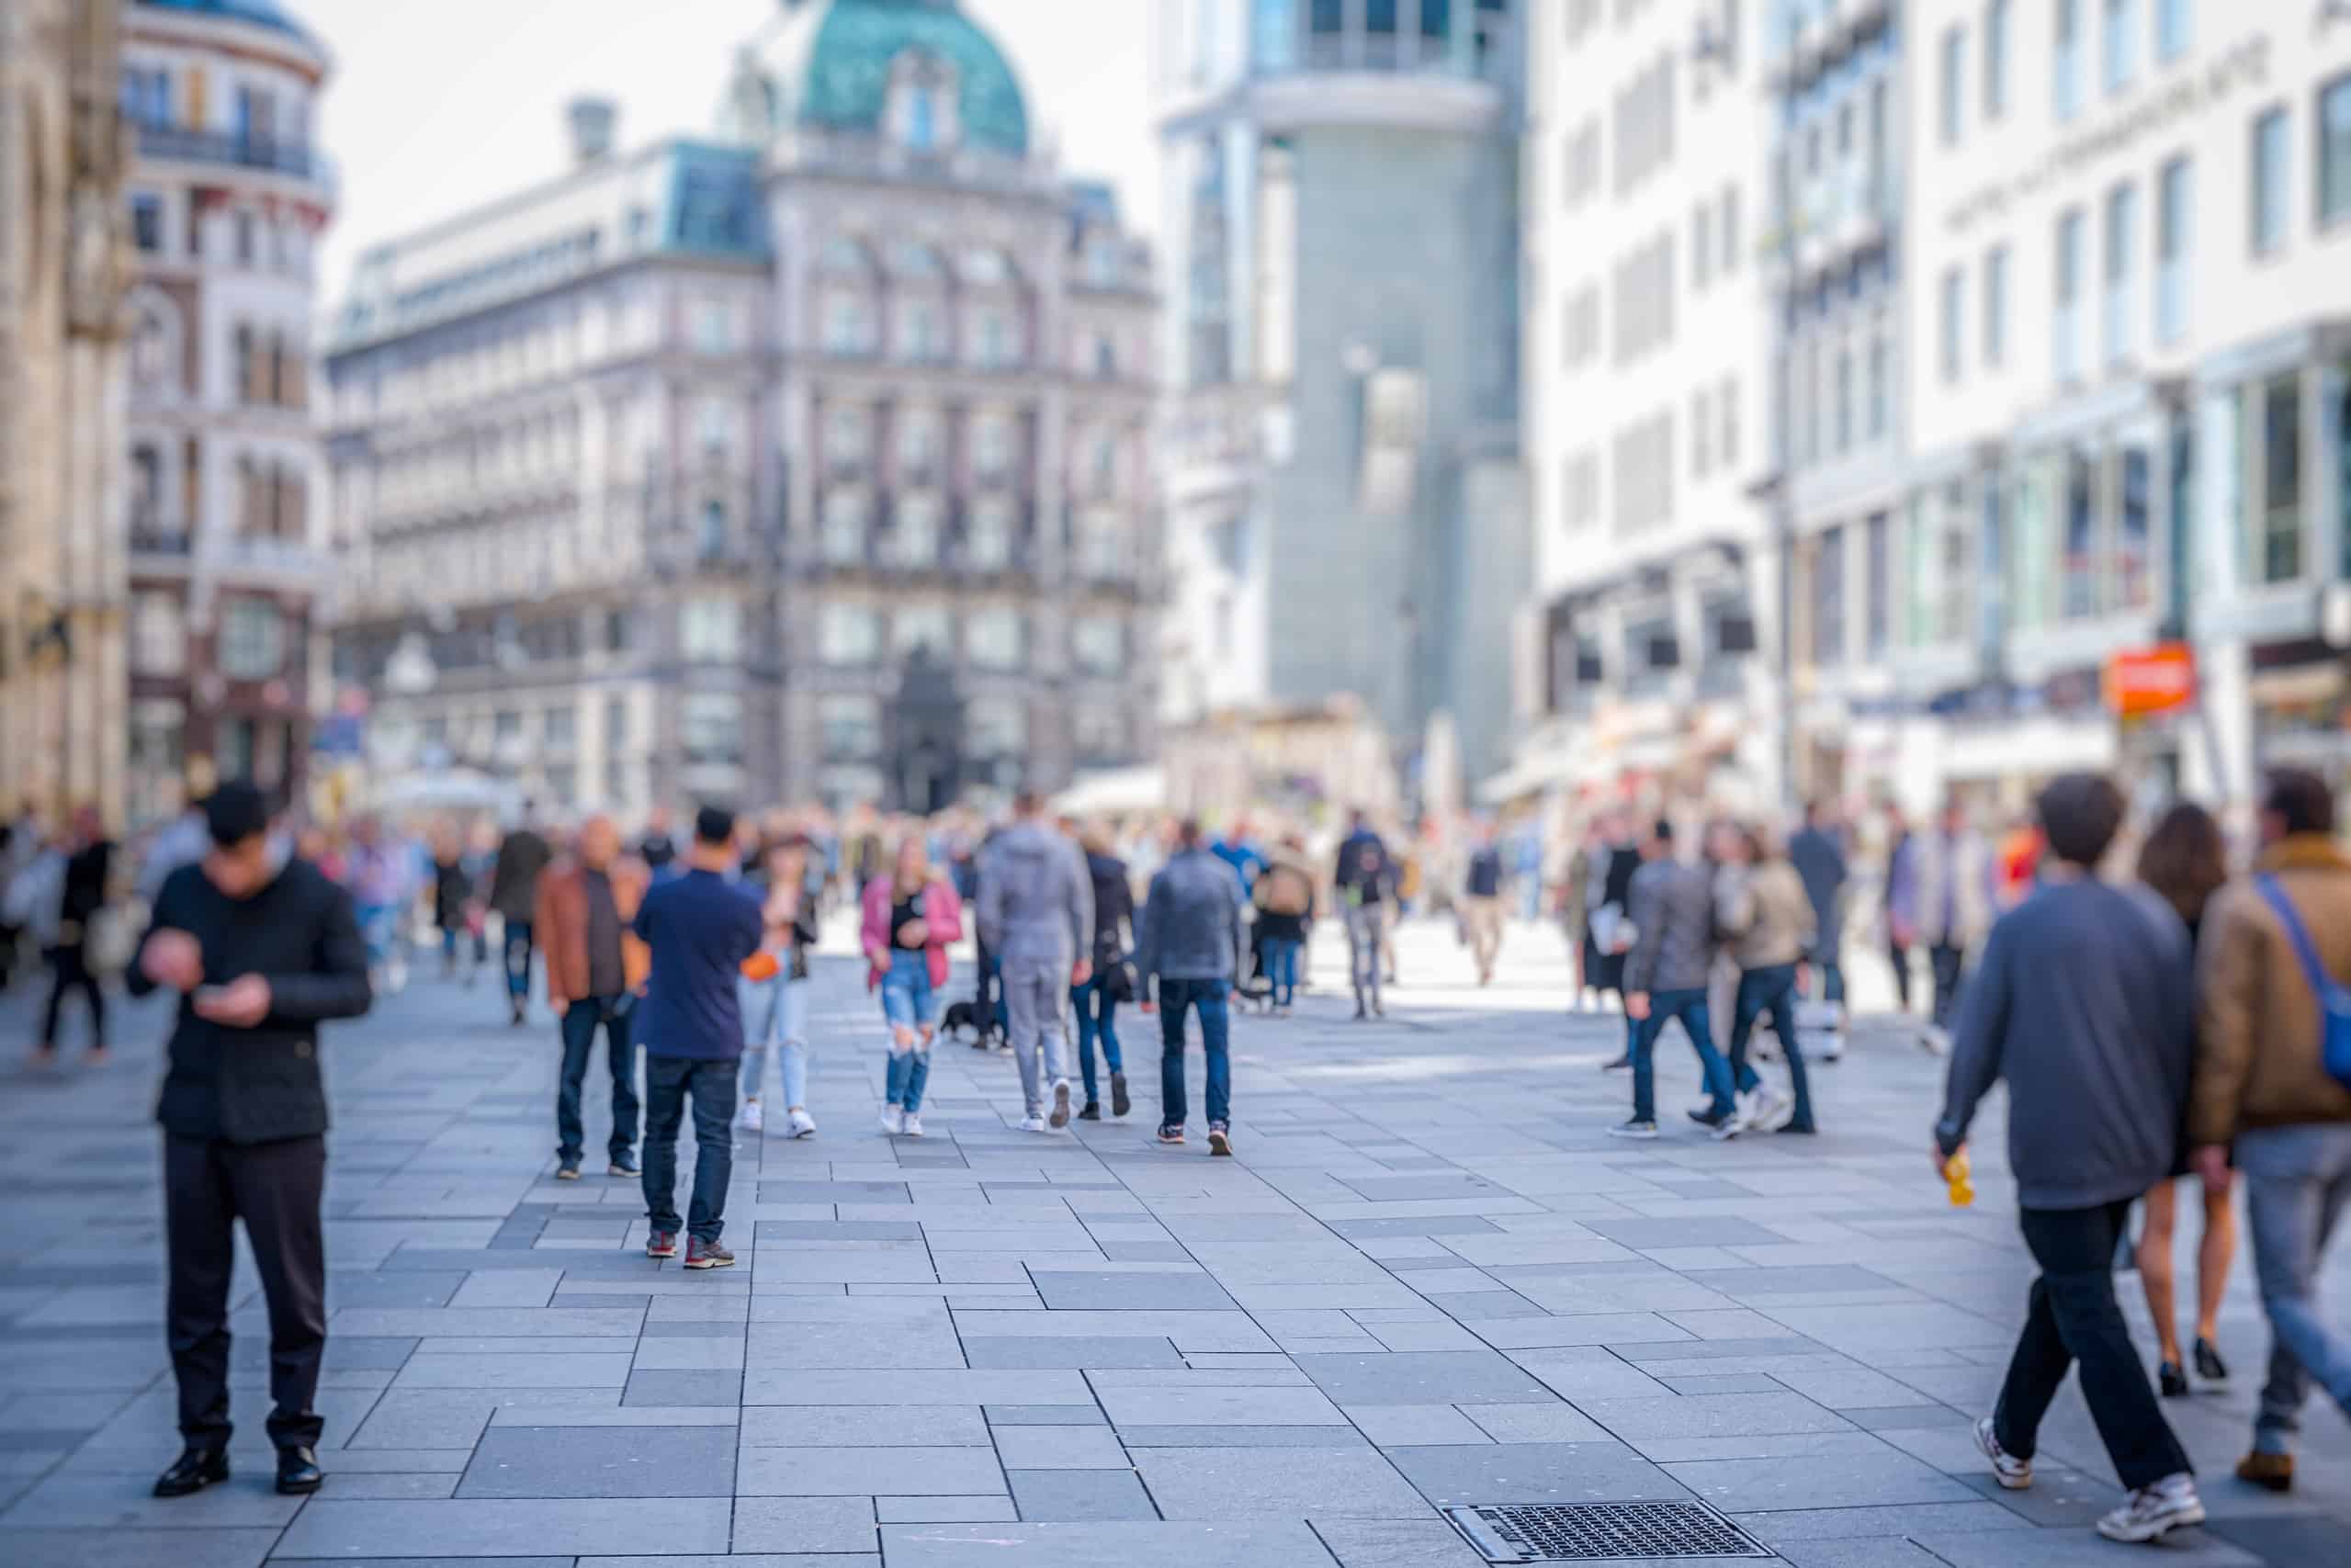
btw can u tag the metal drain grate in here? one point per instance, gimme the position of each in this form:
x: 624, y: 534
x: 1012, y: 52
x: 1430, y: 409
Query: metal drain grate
x: 1581, y: 1532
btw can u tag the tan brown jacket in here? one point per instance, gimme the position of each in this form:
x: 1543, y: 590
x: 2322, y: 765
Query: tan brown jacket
x: 2257, y: 1058
x: 562, y: 926
x: 1763, y: 914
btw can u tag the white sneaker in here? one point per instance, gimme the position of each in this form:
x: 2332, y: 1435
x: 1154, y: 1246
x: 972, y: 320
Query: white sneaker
x: 913, y: 1125
x: 2152, y: 1512
x: 803, y: 1125
x: 892, y: 1120
x: 752, y: 1121
x: 1935, y: 1040
x: 1775, y: 1111
x: 2010, y: 1471
x: 1832, y: 1047
x: 1032, y: 1124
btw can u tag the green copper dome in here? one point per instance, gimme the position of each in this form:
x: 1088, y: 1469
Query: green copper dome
x: 847, y: 79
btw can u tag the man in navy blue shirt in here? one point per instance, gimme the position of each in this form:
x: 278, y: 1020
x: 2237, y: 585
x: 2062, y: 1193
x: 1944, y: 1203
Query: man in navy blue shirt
x: 700, y: 928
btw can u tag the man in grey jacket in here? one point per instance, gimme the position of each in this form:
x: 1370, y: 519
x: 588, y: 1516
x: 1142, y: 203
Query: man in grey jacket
x: 1189, y: 941
x: 1665, y: 977
x: 1036, y: 917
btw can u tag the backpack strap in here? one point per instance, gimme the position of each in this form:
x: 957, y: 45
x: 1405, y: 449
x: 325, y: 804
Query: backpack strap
x: 2323, y: 985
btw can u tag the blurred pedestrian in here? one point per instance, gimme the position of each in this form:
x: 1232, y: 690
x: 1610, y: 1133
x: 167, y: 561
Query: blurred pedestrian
x: 1364, y: 877
x: 597, y: 972
x: 1096, y: 998
x: 1482, y: 904
x: 699, y: 928
x: 1036, y: 914
x: 260, y: 951
x: 775, y: 1004
x: 1608, y: 934
x: 1666, y: 978
x: 910, y: 918
x: 1816, y: 852
x: 1901, y: 872
x: 1285, y: 911
x: 2185, y: 860
x: 1765, y: 913
x: 2273, y: 1075
x: 84, y: 869
x: 655, y: 846
x: 453, y: 900
x: 1951, y: 910
x: 2084, y: 1003
x: 1188, y: 951
x: 523, y: 854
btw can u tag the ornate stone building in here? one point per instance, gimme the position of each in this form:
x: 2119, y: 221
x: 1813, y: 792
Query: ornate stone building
x: 808, y: 461
x: 227, y: 196
x: 62, y: 275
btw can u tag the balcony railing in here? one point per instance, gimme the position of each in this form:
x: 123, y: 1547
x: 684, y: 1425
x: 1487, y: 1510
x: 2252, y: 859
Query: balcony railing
x: 159, y: 539
x: 269, y: 154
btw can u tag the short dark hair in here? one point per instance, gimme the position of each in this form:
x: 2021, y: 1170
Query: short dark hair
x: 2300, y: 799
x: 2081, y: 813
x: 1188, y: 832
x: 235, y: 812
x: 714, y: 825
x: 1027, y: 802
x: 1662, y: 830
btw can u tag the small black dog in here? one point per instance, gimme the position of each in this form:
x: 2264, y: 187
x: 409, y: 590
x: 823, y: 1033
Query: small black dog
x: 964, y: 1018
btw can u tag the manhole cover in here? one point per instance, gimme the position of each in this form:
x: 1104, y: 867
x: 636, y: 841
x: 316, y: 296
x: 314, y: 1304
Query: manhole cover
x: 1581, y: 1532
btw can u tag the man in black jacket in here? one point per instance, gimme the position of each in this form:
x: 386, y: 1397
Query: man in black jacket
x: 260, y: 951
x: 513, y: 894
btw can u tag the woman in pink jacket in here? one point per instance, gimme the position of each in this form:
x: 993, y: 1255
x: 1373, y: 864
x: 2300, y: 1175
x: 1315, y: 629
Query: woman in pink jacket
x: 910, y: 916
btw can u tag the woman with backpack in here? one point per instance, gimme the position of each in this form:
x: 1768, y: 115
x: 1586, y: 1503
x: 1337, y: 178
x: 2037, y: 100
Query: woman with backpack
x: 1111, y: 983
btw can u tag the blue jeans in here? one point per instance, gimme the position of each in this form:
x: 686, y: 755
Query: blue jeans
x: 1177, y: 998
x: 910, y: 1003
x: 1282, y: 968
x: 1691, y: 1008
x: 1829, y: 979
x: 1771, y: 990
x: 775, y: 1019
x: 1097, y: 1012
x: 2298, y: 1180
x: 578, y: 1029
x: 669, y: 1081
x: 518, y: 958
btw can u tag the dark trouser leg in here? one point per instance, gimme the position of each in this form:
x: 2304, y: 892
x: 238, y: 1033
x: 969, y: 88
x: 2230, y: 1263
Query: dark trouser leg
x: 713, y: 1086
x: 1641, y: 1048
x: 578, y: 1029
x: 1175, y: 998
x: 1900, y: 955
x: 620, y: 1055
x: 1948, y: 963
x: 518, y: 958
x: 1754, y: 985
x: 2075, y: 1296
x: 1081, y: 1003
x: 199, y: 1215
x: 1215, y: 1034
x: 664, y: 1114
x: 70, y: 971
x: 1106, y: 1026
x: 1696, y: 1021
x: 278, y: 1187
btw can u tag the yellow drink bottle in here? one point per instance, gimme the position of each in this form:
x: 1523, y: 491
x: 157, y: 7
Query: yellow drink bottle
x: 1955, y: 1171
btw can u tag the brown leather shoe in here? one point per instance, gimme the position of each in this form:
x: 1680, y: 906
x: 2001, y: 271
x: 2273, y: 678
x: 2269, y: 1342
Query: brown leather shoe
x: 2275, y: 1472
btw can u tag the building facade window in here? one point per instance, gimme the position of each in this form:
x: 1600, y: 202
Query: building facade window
x: 916, y: 530
x: 2066, y: 64
x: 2335, y: 152
x: 1996, y: 306
x: 1828, y: 599
x: 848, y: 634
x: 1952, y: 324
x: 842, y: 534
x: 988, y: 541
x: 710, y: 729
x: 2280, y: 557
x: 2268, y: 183
x: 991, y: 447
x: 1878, y: 395
x: 710, y: 631
x: 2175, y: 28
x: 158, y: 635
x: 2065, y: 328
x: 851, y: 725
x: 1995, y: 58
x: 1877, y: 589
x: 1951, y: 84
x: 253, y: 640
x: 994, y: 638
x: 1098, y: 645
x: 930, y: 628
x: 2121, y: 272
x: 2174, y: 226
x: 2121, y: 51
x: 996, y: 727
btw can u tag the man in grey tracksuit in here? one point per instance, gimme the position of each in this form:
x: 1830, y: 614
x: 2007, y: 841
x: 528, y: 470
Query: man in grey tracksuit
x: 1665, y: 977
x: 1188, y: 945
x: 1036, y: 916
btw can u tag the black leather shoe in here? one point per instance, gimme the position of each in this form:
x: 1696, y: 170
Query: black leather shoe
x: 299, y: 1472
x: 195, y: 1470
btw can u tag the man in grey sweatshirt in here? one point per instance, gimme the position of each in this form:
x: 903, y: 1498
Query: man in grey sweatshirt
x: 1665, y: 978
x: 1189, y: 942
x: 1036, y: 916
x: 2084, y: 1003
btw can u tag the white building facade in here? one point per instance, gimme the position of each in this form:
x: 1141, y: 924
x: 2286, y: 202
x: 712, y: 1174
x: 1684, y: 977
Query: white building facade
x: 2131, y: 228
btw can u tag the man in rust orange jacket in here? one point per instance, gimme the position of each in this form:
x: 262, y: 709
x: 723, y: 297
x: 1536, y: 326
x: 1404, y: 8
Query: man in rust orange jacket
x: 595, y: 971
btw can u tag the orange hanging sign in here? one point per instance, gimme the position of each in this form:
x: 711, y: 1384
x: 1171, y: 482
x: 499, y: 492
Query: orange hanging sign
x: 2143, y: 681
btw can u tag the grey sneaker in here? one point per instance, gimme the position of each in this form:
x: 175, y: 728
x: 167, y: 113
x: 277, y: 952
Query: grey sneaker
x: 1061, y: 1117
x: 2152, y: 1512
x: 2010, y: 1471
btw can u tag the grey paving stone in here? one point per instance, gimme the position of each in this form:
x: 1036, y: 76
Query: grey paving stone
x: 101, y: 1501
x: 683, y: 1388
x: 1221, y: 1407
x: 574, y: 1370
x: 868, y: 1472
x: 1861, y: 1552
x: 1244, y: 1544
x: 2081, y: 1549
x: 1074, y: 1350
x: 752, y: 1559
x: 790, y: 1525
x: 1430, y: 1377
x: 1190, y: 1331
x: 945, y: 1510
x: 137, y: 1548
x: 1047, y: 1416
x: 1793, y: 1524
x: 602, y: 1461
x: 498, y: 1527
x: 1710, y: 1416
x: 1066, y: 1495
x: 1231, y: 1483
x: 1060, y: 1447
x: 1417, y: 1424
x: 1148, y: 1437
x: 864, y: 1425
x: 1077, y: 1290
x: 1865, y: 1472
x: 2312, y: 1538
x: 1534, y: 1472
x: 1397, y: 1543
x: 1554, y: 1423
x: 940, y: 1387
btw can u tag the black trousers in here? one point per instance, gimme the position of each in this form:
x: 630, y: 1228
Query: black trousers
x: 1900, y: 953
x: 670, y: 1081
x: 72, y: 967
x: 2074, y: 1318
x: 1951, y: 965
x: 275, y: 1188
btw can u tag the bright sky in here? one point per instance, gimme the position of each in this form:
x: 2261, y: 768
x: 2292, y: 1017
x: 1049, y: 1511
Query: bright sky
x: 437, y: 106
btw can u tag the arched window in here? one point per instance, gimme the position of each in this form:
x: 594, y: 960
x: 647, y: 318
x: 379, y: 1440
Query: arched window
x: 921, y: 118
x: 714, y: 529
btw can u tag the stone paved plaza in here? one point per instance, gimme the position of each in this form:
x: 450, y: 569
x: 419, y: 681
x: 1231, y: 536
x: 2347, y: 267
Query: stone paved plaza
x: 1428, y: 1279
